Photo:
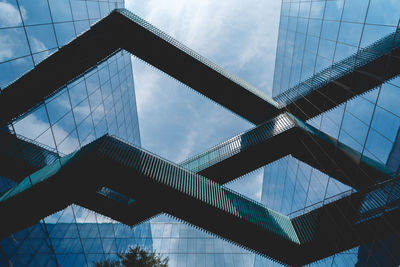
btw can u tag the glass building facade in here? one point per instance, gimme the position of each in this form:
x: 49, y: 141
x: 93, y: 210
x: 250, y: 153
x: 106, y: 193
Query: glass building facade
x: 313, y: 35
x: 98, y: 102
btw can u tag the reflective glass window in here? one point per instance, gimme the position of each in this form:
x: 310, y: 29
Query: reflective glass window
x: 81, y: 26
x: 390, y: 9
x: 333, y: 10
x: 355, y: 10
x: 93, y: 9
x: 57, y: 106
x: 11, y: 70
x: 65, y: 32
x: 41, y: 37
x: 317, y: 9
x: 330, y: 30
x: 36, y: 12
x: 60, y: 10
x: 388, y: 97
x: 11, y: 16
x: 13, y: 44
x: 350, y: 33
x: 304, y: 9
x: 79, y: 10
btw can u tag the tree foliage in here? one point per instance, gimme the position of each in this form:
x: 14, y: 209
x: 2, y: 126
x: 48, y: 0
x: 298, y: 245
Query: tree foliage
x: 135, y: 257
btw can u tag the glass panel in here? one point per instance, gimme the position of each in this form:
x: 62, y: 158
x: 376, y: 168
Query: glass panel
x: 77, y: 91
x: 46, y: 138
x: 373, y: 33
x: 314, y: 27
x: 390, y: 9
x: 42, y: 55
x: 317, y: 9
x: 12, y: 70
x: 304, y: 9
x: 63, y: 127
x: 355, y: 10
x: 335, y: 187
x: 98, y: 115
x: 331, y: 121
x: 94, y: 9
x: 103, y: 73
x: 302, y: 25
x: 69, y: 144
x: 333, y: 10
x: 65, y: 32
x: 330, y: 30
x: 388, y: 98
x: 386, y: 123
x: 85, y: 128
x: 60, y: 10
x: 10, y: 16
x: 57, y: 106
x: 317, y: 188
x: 350, y: 33
x: 92, y: 82
x: 95, y: 100
x: 41, y: 38
x: 81, y: 111
x: 326, y: 49
x: 33, y: 125
x: 343, y: 51
x: 81, y: 26
x: 13, y: 44
x: 104, y: 10
x: 361, y: 109
x: 79, y: 10
x: 37, y: 12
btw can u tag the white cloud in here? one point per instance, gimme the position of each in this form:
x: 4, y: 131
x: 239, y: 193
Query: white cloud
x: 234, y: 34
x: 147, y: 85
x: 9, y: 15
x: 37, y: 45
x: 36, y: 129
x: 239, y: 36
x: 6, y: 50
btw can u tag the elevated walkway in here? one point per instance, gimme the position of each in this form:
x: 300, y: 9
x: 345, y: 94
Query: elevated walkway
x: 349, y: 222
x: 156, y: 182
x: 162, y: 186
x: 279, y: 137
x: 352, y: 76
x: 121, y: 29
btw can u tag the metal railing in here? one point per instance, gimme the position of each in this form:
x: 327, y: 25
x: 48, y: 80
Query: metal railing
x: 339, y: 69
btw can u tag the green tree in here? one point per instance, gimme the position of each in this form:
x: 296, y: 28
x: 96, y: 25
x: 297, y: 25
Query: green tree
x: 135, y: 257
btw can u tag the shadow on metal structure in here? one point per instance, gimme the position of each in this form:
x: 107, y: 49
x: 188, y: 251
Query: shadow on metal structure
x: 162, y: 186
x: 155, y: 182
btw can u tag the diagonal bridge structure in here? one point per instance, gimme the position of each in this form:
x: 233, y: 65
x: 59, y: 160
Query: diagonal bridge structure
x: 193, y: 189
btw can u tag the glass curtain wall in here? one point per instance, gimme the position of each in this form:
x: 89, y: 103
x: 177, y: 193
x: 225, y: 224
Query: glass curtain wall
x: 313, y: 35
x: 100, y: 101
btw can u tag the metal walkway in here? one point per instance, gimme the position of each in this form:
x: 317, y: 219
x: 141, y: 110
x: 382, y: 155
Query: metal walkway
x: 352, y: 76
x: 279, y: 137
x: 162, y: 186
x: 121, y: 29
x: 143, y: 185
x: 154, y: 181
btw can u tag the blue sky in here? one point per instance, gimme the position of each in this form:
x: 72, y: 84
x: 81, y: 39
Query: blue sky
x: 241, y: 36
